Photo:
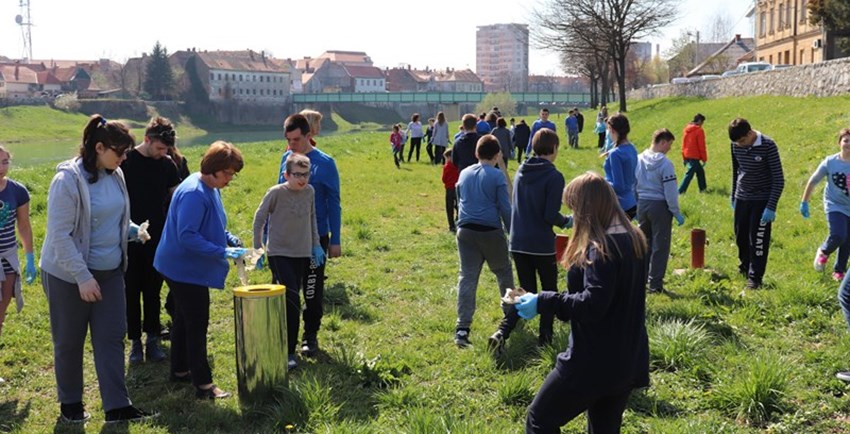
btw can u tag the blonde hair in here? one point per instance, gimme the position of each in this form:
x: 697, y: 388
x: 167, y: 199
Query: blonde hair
x: 595, y: 209
x: 314, y: 118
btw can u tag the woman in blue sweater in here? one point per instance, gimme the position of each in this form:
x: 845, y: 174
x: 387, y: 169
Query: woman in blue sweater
x: 192, y: 256
x: 621, y: 164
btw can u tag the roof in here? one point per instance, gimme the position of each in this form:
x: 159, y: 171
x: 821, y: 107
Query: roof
x: 45, y: 77
x: 733, y: 50
x: 248, y: 60
x: 346, y: 57
x: 65, y: 74
x: 363, y: 71
x: 465, y: 75
x: 18, y: 74
x: 50, y: 63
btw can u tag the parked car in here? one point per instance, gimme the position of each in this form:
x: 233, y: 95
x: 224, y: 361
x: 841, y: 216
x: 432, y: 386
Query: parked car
x: 680, y: 80
x: 782, y: 66
x: 730, y: 73
x: 707, y: 77
x: 748, y: 67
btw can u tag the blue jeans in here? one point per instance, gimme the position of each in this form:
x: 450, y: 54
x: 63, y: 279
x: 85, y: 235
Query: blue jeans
x: 694, y: 168
x: 838, y: 239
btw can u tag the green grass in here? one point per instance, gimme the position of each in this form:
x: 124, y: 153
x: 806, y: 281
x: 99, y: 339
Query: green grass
x: 742, y: 361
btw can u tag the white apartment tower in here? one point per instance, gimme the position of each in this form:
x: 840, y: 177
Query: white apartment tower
x: 501, y: 57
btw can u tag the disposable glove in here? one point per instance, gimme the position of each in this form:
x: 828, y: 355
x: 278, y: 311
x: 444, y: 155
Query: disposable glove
x: 29, y: 269
x: 234, y: 252
x: 260, y: 262
x: 527, y: 307
x: 732, y: 203
x: 768, y: 216
x: 680, y: 219
x: 133, y: 233
x: 318, y: 255
x: 804, y: 210
x: 569, y: 223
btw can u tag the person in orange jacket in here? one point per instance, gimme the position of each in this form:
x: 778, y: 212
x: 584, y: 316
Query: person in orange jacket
x: 694, y: 154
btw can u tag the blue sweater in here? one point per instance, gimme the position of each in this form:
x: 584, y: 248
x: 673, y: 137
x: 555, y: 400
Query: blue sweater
x: 536, y: 207
x: 620, y: 173
x: 324, y: 177
x: 536, y: 126
x: 194, y: 237
x: 482, y: 197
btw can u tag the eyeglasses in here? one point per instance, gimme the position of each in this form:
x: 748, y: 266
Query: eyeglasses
x: 302, y: 175
x: 121, y: 152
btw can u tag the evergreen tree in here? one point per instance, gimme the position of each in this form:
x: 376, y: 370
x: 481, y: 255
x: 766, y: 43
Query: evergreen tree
x: 159, y: 79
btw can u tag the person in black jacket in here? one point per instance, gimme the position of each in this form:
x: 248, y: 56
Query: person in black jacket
x: 608, y: 355
x: 463, y: 150
x: 580, y: 119
x: 521, y: 136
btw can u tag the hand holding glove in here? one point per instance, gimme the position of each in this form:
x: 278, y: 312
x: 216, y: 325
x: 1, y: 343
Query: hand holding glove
x: 318, y: 255
x: 234, y: 252
x: 768, y: 216
x: 133, y: 233
x: 527, y: 307
x: 29, y: 269
x: 804, y: 210
x: 680, y: 219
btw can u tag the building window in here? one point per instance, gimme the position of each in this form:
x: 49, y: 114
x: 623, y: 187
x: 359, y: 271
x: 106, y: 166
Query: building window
x: 781, y: 16
x: 804, y: 6
x: 772, y: 18
x: 788, y: 15
x: 212, y: 76
x: 762, y: 24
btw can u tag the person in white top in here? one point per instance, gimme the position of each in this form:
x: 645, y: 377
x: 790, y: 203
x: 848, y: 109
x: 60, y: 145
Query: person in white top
x: 414, y: 131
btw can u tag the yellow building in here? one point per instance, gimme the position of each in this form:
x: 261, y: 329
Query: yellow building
x: 784, y: 35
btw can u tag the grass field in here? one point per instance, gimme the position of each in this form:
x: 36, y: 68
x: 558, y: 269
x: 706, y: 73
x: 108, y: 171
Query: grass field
x: 724, y: 360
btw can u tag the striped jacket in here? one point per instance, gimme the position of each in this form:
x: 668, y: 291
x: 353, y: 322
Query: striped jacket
x: 757, y: 172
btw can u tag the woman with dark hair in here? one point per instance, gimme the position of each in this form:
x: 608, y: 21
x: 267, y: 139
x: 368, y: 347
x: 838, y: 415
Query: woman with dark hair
x: 605, y: 303
x: 414, y: 131
x: 621, y: 163
x: 440, y: 139
x: 83, y: 261
x: 192, y: 256
x: 504, y: 135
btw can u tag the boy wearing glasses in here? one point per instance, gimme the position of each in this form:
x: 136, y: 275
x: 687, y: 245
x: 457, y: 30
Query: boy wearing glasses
x: 151, y: 178
x: 293, y: 237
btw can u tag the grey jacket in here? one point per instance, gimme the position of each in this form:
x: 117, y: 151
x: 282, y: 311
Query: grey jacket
x: 66, y: 242
x: 656, y: 179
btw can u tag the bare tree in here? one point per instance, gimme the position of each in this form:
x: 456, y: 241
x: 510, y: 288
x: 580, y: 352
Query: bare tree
x: 719, y: 28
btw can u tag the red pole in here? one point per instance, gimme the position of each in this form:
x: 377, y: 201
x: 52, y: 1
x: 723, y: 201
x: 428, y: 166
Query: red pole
x: 561, y: 242
x: 697, y: 248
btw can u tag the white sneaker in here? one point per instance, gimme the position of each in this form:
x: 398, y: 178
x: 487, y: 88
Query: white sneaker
x: 820, y: 260
x: 843, y: 375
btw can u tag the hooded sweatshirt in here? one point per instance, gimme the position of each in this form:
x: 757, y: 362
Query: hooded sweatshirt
x: 693, y: 143
x: 536, y: 207
x: 656, y: 179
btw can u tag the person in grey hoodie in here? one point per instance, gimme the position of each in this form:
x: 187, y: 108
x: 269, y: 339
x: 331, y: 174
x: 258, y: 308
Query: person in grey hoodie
x: 83, y: 261
x: 658, y: 203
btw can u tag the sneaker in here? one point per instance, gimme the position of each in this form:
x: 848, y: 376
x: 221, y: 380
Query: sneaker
x: 753, y: 283
x: 843, y: 376
x: 820, y: 260
x: 74, y: 413
x: 212, y: 393
x: 128, y: 414
x: 309, y: 347
x: 462, y: 338
x: 292, y: 363
x: 496, y: 343
x: 837, y: 276
x: 153, y: 351
x: 656, y: 290
x: 136, y: 353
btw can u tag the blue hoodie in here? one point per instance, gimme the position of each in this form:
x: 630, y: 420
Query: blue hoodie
x: 538, y: 187
x: 620, y: 173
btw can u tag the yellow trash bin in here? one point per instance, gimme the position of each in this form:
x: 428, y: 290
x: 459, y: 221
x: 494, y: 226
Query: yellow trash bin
x: 261, y: 350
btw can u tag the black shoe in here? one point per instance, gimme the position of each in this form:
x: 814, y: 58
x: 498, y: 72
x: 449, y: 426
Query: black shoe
x: 462, y: 338
x: 212, y: 393
x: 128, y: 414
x: 753, y: 283
x: 74, y: 413
x: 496, y: 343
x: 309, y: 347
x: 137, y: 353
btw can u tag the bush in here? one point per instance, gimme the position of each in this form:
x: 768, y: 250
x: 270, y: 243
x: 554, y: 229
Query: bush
x: 503, y: 100
x: 67, y: 102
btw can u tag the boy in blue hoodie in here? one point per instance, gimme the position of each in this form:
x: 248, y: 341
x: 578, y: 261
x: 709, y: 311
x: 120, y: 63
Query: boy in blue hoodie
x: 658, y: 204
x: 536, y: 206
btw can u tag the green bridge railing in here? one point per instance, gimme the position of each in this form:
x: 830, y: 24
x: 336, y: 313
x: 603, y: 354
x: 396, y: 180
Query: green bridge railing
x: 438, y: 97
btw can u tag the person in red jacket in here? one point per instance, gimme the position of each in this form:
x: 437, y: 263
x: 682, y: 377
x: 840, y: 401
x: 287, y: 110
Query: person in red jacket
x: 693, y: 152
x: 450, y: 176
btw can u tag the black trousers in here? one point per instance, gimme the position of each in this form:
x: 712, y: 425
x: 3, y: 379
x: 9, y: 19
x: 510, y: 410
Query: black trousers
x: 415, y: 143
x: 752, y: 238
x: 189, y: 331
x: 142, y: 283
x: 519, y: 150
x: 528, y: 267
x: 601, y: 141
x: 438, y: 154
x: 289, y: 272
x: 559, y: 401
x: 430, y: 149
x: 314, y: 290
x: 451, y: 207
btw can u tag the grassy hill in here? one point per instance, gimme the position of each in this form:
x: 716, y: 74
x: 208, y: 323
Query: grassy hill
x: 725, y: 359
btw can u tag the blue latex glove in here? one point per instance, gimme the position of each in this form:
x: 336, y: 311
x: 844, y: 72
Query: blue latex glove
x: 732, y: 202
x: 234, y: 252
x: 318, y: 255
x: 260, y: 263
x: 680, y: 219
x: 569, y: 223
x: 29, y: 269
x: 768, y: 216
x: 527, y: 307
x: 804, y: 210
x: 133, y: 233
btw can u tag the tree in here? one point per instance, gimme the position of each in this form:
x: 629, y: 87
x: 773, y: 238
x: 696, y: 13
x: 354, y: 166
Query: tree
x: 719, y: 27
x: 832, y: 14
x: 681, y: 55
x: 159, y: 79
x: 503, y: 100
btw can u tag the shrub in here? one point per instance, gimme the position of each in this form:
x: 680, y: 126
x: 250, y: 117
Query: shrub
x: 756, y: 395
x: 67, y: 102
x: 676, y: 344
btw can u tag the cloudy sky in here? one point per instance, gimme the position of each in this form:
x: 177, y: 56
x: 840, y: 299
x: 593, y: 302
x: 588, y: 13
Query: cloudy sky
x: 440, y: 35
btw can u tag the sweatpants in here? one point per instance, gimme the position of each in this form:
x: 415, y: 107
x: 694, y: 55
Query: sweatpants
x: 528, y: 267
x: 143, y: 284
x: 189, y: 331
x: 694, y: 167
x: 314, y: 290
x: 289, y: 272
x: 752, y: 238
x: 473, y: 249
x: 838, y: 239
x: 451, y: 207
x: 559, y: 401
x: 656, y: 223
x: 415, y: 143
x: 70, y: 320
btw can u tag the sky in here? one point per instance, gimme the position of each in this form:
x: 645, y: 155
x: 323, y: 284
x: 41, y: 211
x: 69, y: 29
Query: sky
x: 439, y: 35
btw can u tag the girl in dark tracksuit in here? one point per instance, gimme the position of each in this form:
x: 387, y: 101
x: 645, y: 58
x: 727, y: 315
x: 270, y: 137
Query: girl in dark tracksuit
x: 608, y: 355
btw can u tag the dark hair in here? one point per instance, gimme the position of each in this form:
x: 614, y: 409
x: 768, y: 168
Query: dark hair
x: 501, y: 122
x: 415, y: 117
x: 222, y: 155
x: 544, y: 109
x: 297, y: 160
x: 512, y: 119
x: 662, y: 134
x: 160, y: 128
x: 487, y: 147
x: 492, y: 117
x: 296, y: 122
x: 620, y: 124
x: 468, y: 121
x: 441, y: 118
x: 698, y: 118
x: 482, y: 115
x: 738, y: 128
x: 176, y: 156
x: 544, y: 142
x: 842, y: 133
x: 112, y: 134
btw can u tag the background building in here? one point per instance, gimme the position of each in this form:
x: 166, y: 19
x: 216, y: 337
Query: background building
x: 784, y: 35
x: 501, y: 57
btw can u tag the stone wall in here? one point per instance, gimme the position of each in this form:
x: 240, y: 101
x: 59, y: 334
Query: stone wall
x: 818, y: 79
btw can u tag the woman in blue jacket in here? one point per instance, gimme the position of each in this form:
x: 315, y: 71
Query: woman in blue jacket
x: 621, y: 164
x: 192, y: 256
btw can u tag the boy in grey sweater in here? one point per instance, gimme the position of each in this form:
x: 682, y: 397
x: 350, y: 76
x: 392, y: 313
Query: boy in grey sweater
x: 293, y: 239
x: 658, y: 204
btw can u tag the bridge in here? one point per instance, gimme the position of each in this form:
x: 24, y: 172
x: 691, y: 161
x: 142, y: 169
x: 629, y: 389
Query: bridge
x: 438, y: 97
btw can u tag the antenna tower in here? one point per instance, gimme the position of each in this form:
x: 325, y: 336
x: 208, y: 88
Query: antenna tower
x: 24, y: 19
